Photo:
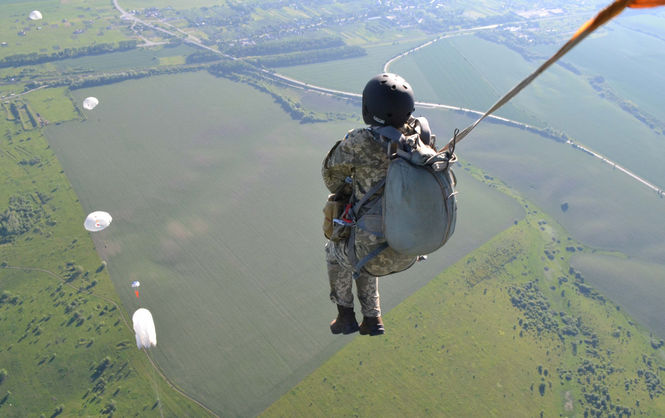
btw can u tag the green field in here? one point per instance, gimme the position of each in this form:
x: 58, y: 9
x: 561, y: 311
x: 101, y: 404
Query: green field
x: 66, y: 346
x: 119, y: 61
x: 454, y: 347
x: 220, y: 220
x: 66, y: 24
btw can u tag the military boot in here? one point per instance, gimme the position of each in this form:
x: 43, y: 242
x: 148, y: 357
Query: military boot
x: 372, y: 326
x: 345, y: 323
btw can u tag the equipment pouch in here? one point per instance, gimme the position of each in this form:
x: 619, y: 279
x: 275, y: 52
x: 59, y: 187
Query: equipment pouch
x: 332, y: 228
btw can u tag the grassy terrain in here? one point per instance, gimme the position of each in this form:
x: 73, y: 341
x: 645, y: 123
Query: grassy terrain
x: 454, y: 347
x: 65, y: 344
x: 67, y: 24
x: 200, y: 205
x: 635, y: 285
x: 53, y: 105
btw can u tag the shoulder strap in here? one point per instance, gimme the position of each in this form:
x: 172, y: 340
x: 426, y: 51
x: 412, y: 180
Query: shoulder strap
x: 371, y: 192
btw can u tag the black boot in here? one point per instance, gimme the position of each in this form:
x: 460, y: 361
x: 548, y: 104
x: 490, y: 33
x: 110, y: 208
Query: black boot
x: 372, y: 326
x: 346, y: 321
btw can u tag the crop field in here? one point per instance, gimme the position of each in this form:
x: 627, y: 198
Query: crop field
x: 118, y: 61
x: 635, y: 285
x: 53, y: 104
x: 219, y: 218
x: 70, y: 24
x: 454, y: 346
x: 441, y: 73
x: 66, y: 347
x: 639, y: 37
x: 606, y: 208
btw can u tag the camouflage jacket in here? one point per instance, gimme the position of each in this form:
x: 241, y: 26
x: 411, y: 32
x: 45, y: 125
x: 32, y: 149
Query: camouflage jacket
x: 360, y: 157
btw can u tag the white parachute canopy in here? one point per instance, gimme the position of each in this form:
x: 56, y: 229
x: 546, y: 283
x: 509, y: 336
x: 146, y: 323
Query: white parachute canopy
x: 90, y: 103
x: 97, y: 221
x: 136, y: 283
x: 35, y: 15
x: 144, y: 327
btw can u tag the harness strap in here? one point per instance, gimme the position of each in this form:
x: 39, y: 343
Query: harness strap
x: 371, y: 192
x: 360, y: 264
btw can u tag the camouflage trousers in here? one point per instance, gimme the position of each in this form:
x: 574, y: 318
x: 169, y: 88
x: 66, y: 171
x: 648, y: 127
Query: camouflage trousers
x: 340, y: 274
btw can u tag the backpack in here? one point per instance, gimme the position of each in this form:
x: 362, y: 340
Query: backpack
x: 417, y: 213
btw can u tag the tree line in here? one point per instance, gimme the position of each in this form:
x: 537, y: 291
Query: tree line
x: 282, y: 46
x: 309, y: 57
x: 33, y: 58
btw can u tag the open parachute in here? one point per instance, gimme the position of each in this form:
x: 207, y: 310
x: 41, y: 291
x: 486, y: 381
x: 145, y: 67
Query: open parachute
x: 90, y: 103
x: 135, y: 285
x: 35, y: 15
x: 144, y: 327
x: 96, y: 221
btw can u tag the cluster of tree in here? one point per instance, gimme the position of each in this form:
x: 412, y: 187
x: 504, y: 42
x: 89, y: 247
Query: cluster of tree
x: 584, y: 289
x: 245, y: 73
x: 19, y: 60
x: 310, y: 57
x: 8, y: 297
x: 652, y: 382
x: 604, y: 91
x: 536, y: 309
x: 511, y: 40
x: 293, y: 108
x: 202, y: 56
x: 596, y: 398
x: 282, y: 46
x: 18, y: 218
x: 570, y: 67
x: 102, y: 79
x: 19, y: 111
x: 229, y: 15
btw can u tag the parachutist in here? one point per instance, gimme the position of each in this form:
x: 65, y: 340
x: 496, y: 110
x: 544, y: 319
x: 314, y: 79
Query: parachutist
x: 359, y: 163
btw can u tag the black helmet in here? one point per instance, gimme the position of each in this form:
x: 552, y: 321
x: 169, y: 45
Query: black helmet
x: 387, y: 100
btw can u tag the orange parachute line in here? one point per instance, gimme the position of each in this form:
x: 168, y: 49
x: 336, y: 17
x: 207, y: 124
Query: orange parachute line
x: 646, y: 3
x: 612, y: 10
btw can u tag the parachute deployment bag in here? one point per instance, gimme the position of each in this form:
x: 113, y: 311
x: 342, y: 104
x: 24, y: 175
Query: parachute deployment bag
x: 418, y: 206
